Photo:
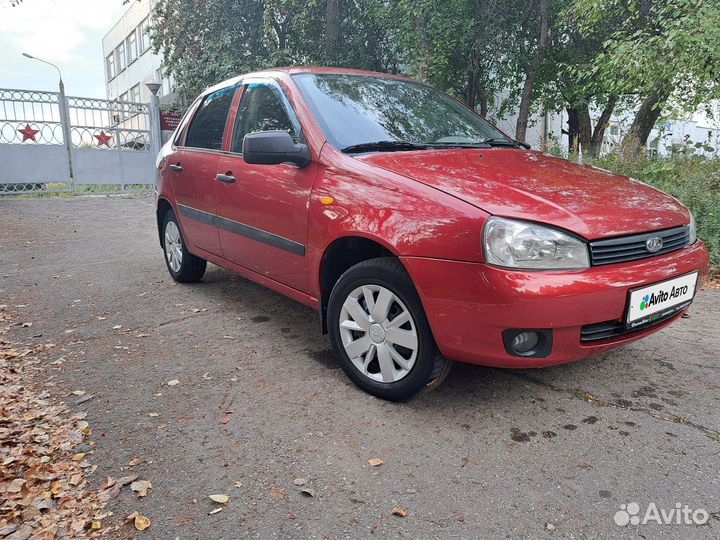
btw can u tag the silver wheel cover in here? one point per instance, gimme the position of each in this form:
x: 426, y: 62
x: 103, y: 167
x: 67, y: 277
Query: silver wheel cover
x: 378, y: 333
x: 173, y: 246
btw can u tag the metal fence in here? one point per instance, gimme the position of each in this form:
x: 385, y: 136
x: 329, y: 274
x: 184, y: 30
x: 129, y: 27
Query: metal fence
x: 50, y: 143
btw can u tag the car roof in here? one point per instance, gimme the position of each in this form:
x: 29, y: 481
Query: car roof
x: 297, y: 70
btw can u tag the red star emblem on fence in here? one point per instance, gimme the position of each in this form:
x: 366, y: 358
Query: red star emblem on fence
x: 29, y: 133
x: 102, y: 138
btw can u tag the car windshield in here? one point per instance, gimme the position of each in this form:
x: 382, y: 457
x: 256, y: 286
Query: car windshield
x: 361, y: 110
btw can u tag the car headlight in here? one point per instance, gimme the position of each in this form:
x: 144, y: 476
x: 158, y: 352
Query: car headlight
x: 520, y: 244
x: 693, y: 230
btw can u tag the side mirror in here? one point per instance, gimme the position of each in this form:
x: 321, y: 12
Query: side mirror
x: 273, y: 148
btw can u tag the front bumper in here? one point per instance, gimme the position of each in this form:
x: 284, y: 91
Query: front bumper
x: 468, y: 305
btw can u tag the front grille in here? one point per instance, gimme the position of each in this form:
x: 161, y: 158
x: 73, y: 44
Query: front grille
x: 613, y: 329
x: 632, y: 248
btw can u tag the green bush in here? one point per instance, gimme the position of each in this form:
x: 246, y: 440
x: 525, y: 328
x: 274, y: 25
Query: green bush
x: 693, y: 180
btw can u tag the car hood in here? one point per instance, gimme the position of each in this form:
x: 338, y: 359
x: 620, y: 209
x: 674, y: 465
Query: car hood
x: 530, y: 185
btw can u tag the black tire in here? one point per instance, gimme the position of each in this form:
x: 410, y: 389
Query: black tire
x: 191, y: 268
x: 429, y: 368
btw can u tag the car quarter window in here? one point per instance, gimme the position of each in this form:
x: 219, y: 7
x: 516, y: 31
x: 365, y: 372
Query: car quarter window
x: 208, y: 125
x: 183, y: 124
x: 263, y: 108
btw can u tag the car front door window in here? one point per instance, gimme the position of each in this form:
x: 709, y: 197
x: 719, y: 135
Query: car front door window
x: 262, y: 108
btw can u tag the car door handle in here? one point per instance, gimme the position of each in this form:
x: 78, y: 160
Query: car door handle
x: 229, y: 178
x: 177, y: 167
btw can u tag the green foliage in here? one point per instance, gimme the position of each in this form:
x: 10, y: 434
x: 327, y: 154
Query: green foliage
x: 206, y: 42
x: 675, y: 43
x: 693, y: 180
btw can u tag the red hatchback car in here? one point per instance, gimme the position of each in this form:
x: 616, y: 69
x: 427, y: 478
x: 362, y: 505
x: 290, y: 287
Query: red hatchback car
x: 421, y: 233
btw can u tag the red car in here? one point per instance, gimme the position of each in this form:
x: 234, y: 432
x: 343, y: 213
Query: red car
x: 421, y: 233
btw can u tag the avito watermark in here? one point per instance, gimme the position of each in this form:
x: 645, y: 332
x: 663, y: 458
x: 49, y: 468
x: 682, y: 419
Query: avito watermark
x: 681, y: 514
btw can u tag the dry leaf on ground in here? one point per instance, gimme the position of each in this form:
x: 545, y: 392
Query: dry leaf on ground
x: 141, y: 486
x: 399, y: 511
x: 174, y: 382
x: 375, y: 462
x: 44, y: 493
x: 139, y: 521
x: 219, y: 498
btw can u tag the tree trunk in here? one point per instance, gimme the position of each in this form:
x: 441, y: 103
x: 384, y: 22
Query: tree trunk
x: 573, y: 130
x: 532, y: 72
x: 645, y: 118
x: 420, y: 25
x: 471, y: 93
x: 595, y: 146
x: 584, y: 126
x: 332, y: 30
x: 483, y: 105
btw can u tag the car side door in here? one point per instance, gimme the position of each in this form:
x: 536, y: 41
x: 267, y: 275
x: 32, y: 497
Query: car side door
x: 193, y: 168
x: 263, y: 210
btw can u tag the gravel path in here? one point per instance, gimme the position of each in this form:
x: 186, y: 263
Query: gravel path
x: 261, y: 402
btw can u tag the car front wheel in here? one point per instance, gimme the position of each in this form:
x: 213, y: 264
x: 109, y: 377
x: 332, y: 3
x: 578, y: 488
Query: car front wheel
x: 184, y: 267
x: 380, y: 334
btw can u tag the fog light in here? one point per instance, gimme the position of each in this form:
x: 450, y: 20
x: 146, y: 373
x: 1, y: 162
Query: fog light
x: 525, y: 342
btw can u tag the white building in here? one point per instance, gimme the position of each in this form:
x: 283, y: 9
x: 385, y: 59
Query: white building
x: 130, y: 62
x: 545, y: 131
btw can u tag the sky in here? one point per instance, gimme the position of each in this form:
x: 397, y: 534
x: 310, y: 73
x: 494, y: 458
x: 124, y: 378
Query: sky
x: 67, y: 33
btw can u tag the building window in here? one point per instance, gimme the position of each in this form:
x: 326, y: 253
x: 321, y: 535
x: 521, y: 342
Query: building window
x: 110, y: 66
x: 143, y: 36
x: 135, y: 94
x: 132, y: 47
x: 121, y: 58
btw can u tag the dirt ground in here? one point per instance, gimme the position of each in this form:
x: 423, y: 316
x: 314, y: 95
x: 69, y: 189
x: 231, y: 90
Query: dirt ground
x: 261, y: 403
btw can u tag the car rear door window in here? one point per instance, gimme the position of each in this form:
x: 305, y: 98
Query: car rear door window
x: 208, y: 126
x: 263, y: 108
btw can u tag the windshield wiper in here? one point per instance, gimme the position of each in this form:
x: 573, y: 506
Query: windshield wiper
x: 504, y: 141
x: 383, y: 146
x: 481, y: 144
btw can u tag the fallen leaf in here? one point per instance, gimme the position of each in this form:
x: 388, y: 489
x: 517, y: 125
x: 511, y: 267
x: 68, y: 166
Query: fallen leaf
x: 375, y: 462
x: 26, y: 325
x: 134, y: 462
x: 219, y: 498
x: 78, y: 392
x: 399, y: 511
x: 110, y: 482
x: 174, y: 382
x: 16, y: 485
x: 117, y: 327
x: 308, y: 492
x: 216, y: 511
x: 141, y: 522
x: 141, y: 486
x: 153, y: 414
x: 206, y: 376
x: 238, y: 484
x: 299, y: 481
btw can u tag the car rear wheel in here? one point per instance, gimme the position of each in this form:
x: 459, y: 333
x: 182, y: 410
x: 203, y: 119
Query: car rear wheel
x: 184, y: 267
x: 380, y: 334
